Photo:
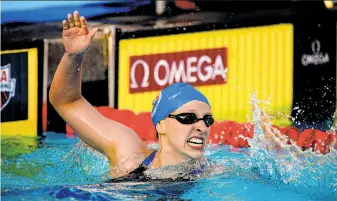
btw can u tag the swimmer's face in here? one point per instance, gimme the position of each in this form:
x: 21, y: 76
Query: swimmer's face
x: 188, y: 140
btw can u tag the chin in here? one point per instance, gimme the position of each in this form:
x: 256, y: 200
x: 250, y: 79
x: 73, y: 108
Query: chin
x: 196, y: 154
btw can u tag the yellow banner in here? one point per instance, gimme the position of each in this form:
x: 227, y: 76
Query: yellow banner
x: 19, y: 92
x: 251, y: 59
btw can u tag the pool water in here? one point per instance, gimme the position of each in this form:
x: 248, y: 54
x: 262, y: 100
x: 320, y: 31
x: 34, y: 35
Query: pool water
x: 57, y: 167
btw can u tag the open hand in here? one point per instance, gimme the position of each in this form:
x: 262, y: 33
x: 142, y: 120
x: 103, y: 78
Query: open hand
x: 76, y: 36
x: 271, y: 136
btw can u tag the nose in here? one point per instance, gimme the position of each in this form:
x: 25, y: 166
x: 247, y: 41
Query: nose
x: 200, y: 126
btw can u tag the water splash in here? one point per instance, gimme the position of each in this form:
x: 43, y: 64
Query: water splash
x: 189, y: 170
x: 54, y: 164
x: 288, y: 163
x: 91, y: 164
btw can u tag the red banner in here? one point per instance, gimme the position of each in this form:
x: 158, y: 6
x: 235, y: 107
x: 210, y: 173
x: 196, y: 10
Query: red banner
x: 198, y: 67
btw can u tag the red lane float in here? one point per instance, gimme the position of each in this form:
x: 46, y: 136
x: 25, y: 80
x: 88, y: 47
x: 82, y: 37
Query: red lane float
x: 215, y: 133
x: 237, y: 134
x: 224, y: 132
x: 44, y: 117
x: 306, y: 139
x: 292, y: 132
x: 144, y: 127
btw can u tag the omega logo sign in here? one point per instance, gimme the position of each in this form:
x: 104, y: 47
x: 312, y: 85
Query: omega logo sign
x: 317, y: 57
x: 198, y: 67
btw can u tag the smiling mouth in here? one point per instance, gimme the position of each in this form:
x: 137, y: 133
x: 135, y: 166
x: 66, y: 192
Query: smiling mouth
x: 196, y: 142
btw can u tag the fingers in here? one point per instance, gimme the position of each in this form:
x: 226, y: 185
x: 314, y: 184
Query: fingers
x: 83, y: 23
x: 70, y: 21
x: 77, y: 19
x: 65, y: 25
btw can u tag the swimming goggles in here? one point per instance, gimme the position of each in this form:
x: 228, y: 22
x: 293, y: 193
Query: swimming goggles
x: 191, y: 118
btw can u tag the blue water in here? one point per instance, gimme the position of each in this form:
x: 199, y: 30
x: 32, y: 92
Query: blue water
x: 57, y: 167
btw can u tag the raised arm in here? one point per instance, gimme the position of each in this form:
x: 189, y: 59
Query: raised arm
x: 111, y: 138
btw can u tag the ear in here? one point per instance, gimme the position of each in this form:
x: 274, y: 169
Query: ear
x: 160, y: 127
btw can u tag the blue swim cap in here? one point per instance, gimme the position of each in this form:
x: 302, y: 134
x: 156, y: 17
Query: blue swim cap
x: 173, y: 97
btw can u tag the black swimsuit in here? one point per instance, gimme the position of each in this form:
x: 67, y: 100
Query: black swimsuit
x: 138, y: 173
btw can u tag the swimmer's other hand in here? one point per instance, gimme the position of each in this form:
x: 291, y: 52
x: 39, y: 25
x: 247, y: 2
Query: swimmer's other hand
x: 76, y: 36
